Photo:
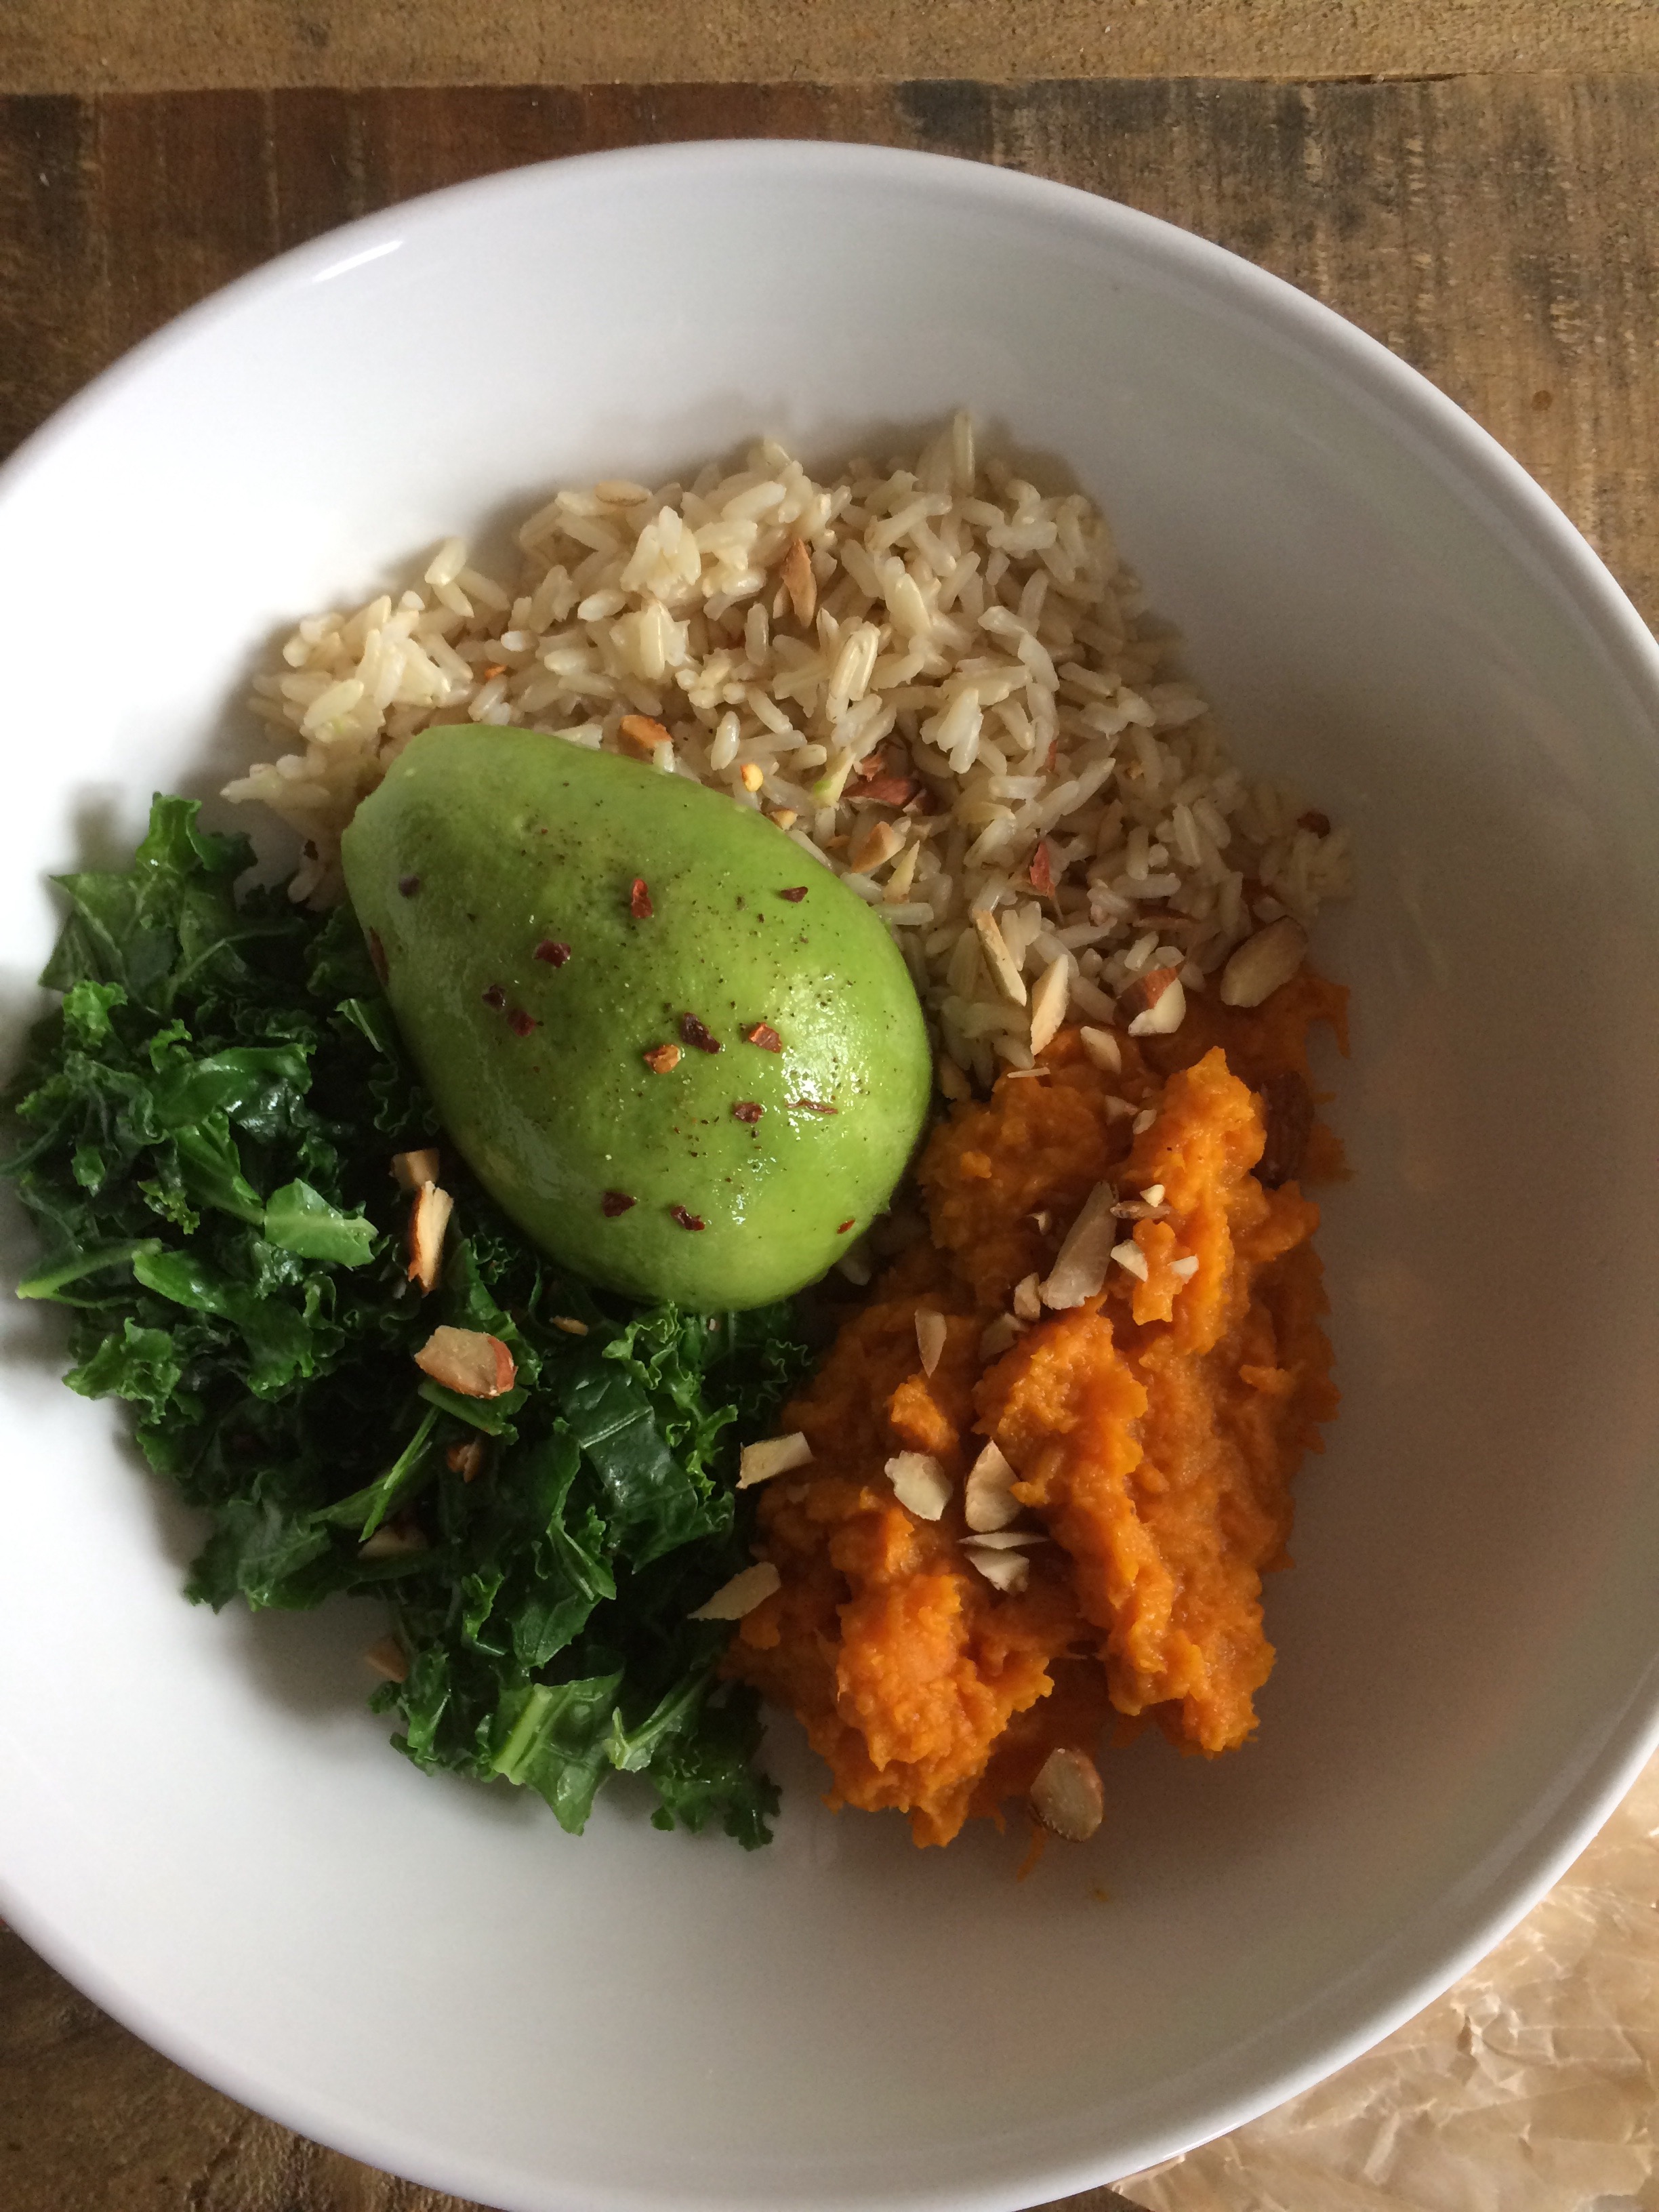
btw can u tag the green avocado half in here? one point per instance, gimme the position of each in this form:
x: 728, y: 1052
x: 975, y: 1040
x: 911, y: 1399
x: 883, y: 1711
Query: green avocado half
x: 545, y: 917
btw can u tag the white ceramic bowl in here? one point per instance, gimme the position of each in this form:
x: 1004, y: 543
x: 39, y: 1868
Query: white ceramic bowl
x: 202, y: 1826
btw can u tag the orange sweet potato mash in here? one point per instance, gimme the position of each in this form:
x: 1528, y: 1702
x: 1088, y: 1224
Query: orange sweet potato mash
x: 1153, y: 1430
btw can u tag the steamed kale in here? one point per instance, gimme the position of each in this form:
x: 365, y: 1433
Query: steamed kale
x: 205, y: 1131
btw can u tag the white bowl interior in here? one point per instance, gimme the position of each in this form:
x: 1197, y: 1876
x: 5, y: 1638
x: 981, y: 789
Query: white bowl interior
x: 203, y: 1824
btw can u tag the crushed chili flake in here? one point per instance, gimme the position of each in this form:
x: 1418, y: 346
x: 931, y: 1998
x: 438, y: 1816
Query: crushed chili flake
x: 615, y: 1202
x: 554, y: 955
x: 377, y: 954
x: 520, y: 1023
x: 842, y: 1231
x: 746, y: 1109
x: 495, y: 996
x: 693, y: 1033
x: 662, y: 1057
x: 685, y: 1219
x: 409, y: 885
x: 765, y: 1037
x: 890, y: 791
x: 1042, y: 872
x: 795, y: 896
x: 814, y: 1106
x: 466, y: 1460
x: 638, y: 901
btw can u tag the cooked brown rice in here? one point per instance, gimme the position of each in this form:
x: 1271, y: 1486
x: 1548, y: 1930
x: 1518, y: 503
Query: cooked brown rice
x: 952, y: 697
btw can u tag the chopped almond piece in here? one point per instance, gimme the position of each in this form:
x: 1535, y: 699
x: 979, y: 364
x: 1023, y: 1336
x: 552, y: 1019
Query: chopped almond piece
x: 662, y: 1058
x: 1079, y: 1268
x: 987, y: 1501
x: 1002, y: 1333
x: 428, y: 1217
x: 748, y: 1588
x: 998, y: 958
x: 1049, y: 1000
x: 568, y: 1323
x: 931, y: 1330
x: 468, y: 1362
x: 643, y: 735
x: 799, y: 581
x: 388, y: 1659
x: 1156, y: 1003
x: 392, y: 1539
x: 410, y: 1170
x: 951, y: 1080
x: 873, y: 848
x: 772, y: 1456
x: 752, y: 776
x: 1068, y: 1796
x: 1263, y: 962
x: 1103, y: 1051
x: 1028, y: 1298
x: 1005, y: 1540
x: 920, y: 1484
x: 466, y: 1460
x: 1130, y: 1257
x: 1004, y: 1571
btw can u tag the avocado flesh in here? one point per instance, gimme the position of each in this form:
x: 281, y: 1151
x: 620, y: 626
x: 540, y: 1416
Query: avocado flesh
x: 482, y: 845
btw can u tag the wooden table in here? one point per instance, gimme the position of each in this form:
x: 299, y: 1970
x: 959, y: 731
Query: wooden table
x: 1499, y: 231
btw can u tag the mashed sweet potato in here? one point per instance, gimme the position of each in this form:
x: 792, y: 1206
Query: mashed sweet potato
x: 1153, y: 1430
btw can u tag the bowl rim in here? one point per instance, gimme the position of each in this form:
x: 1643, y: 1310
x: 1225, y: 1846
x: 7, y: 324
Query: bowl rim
x: 1425, y: 1958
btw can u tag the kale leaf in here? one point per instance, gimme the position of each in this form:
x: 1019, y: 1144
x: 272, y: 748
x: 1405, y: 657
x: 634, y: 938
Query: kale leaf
x: 204, y: 1131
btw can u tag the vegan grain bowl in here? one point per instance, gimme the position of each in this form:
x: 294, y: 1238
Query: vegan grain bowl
x: 758, y: 1156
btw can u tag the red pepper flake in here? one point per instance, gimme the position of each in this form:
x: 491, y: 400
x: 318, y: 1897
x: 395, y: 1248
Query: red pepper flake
x: 495, y: 996
x: 377, y: 954
x: 695, y: 1034
x: 520, y: 1023
x: 890, y: 791
x: 638, y: 901
x: 1042, y: 872
x: 554, y: 955
x: 409, y: 885
x: 795, y: 896
x: 814, y: 1106
x: 686, y: 1220
x: 615, y: 1202
x: 746, y: 1110
x: 765, y: 1037
x: 842, y: 1231
x: 662, y: 1057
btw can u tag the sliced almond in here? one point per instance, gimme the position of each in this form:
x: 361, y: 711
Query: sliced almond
x: 932, y: 1330
x: 1152, y: 1194
x: 796, y: 572
x: 1144, y: 1120
x: 998, y: 958
x: 411, y: 1170
x: 1003, y: 1332
x: 1130, y: 1257
x: 428, y: 1217
x: 1184, y: 1270
x: 466, y: 1460
x: 1118, y: 1110
x: 873, y: 848
x: 467, y: 1361
x: 1006, y: 1570
x: 747, y: 1589
x: 1102, y: 1050
x: 1156, y: 1003
x: 1027, y: 1300
x: 1005, y: 1539
x: 1263, y: 962
x: 388, y: 1658
x: 772, y: 1456
x: 642, y: 734
x: 391, y: 1540
x: 1080, y: 1264
x: 988, y: 1499
x: 1067, y: 1795
x: 1050, y: 1001
x: 920, y: 1484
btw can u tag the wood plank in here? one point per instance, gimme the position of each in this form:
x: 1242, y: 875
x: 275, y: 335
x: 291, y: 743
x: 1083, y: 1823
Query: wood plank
x: 133, y: 45
x: 1500, y: 234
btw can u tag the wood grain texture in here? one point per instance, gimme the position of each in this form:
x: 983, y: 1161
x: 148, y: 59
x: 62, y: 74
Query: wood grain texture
x: 1501, y: 234
x: 133, y: 46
